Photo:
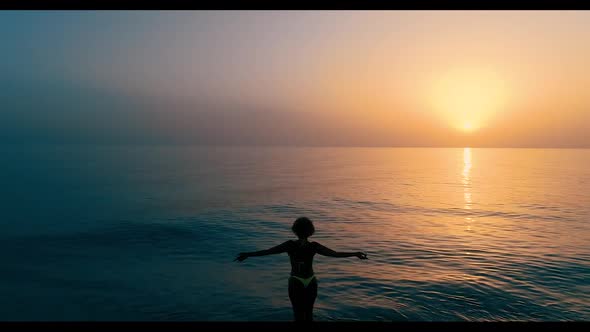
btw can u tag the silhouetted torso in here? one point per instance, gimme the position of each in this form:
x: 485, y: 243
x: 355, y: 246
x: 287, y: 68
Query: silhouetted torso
x: 301, y: 255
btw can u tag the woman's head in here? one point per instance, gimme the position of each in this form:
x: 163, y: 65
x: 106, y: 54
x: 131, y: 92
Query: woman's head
x: 303, y: 228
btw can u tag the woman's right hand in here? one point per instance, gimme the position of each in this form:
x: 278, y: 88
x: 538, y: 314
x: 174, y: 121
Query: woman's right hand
x: 242, y: 256
x: 361, y: 255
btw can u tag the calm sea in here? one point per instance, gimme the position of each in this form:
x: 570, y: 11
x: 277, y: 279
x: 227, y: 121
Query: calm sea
x: 149, y: 233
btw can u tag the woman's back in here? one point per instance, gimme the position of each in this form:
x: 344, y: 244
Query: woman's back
x: 301, y: 254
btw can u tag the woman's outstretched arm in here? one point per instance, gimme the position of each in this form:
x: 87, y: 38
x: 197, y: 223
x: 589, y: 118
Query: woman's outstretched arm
x: 272, y: 251
x: 325, y: 251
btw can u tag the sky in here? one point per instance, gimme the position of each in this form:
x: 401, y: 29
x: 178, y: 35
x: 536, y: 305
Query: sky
x: 308, y: 78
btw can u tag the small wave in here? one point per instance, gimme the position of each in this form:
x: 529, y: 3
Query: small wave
x: 395, y: 208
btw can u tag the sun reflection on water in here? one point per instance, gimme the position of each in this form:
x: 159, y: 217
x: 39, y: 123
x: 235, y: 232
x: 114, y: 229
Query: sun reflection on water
x: 466, y: 180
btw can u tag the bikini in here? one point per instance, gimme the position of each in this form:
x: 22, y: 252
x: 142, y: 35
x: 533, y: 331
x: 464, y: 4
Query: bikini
x: 304, y: 281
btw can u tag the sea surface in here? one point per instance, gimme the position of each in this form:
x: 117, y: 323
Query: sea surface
x: 150, y: 232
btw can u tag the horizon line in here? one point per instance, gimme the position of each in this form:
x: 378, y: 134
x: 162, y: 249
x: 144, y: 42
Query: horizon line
x: 288, y: 145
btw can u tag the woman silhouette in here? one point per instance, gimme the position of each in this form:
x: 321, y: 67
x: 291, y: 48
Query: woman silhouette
x: 303, y: 286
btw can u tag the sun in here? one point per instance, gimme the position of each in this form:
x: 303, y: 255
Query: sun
x: 468, y: 98
x: 467, y: 126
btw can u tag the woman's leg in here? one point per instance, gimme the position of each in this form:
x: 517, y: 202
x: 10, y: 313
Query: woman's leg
x: 296, y: 295
x: 311, y: 292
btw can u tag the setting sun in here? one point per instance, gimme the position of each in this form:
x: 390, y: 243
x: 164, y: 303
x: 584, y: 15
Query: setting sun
x: 467, y: 99
x: 467, y: 126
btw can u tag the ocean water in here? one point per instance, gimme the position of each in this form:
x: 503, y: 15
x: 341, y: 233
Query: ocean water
x: 149, y: 233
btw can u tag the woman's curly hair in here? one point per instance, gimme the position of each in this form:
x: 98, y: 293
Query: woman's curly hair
x: 303, y: 228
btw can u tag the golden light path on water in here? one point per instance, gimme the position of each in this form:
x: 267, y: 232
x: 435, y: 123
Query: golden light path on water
x: 466, y: 180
